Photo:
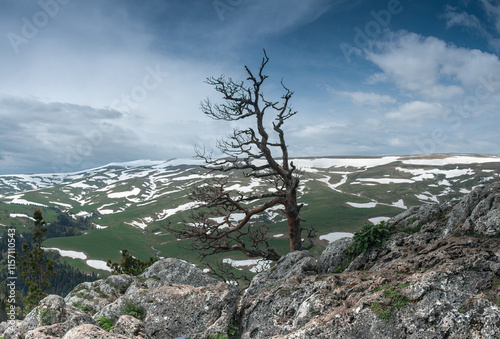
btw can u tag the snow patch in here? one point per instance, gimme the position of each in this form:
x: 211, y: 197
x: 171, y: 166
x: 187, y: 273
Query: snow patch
x: 386, y: 180
x: 362, y: 205
x: 19, y: 215
x: 98, y: 264
x: 68, y: 253
x: 378, y: 220
x: 169, y: 212
x: 259, y: 265
x: 331, y: 237
x: 400, y: 204
x: 125, y: 194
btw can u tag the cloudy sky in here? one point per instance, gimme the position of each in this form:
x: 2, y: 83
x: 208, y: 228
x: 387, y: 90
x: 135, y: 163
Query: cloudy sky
x: 86, y: 83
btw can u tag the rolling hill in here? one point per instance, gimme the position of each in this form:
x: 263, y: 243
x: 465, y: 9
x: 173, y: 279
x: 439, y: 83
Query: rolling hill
x: 128, y: 203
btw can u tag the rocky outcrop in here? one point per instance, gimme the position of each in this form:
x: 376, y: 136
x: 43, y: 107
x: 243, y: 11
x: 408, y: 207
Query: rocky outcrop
x: 437, y: 276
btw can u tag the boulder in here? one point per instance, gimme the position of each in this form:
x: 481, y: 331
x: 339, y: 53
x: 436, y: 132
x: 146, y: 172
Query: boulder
x: 175, y: 271
x: 91, y: 297
x: 487, y: 199
x: 334, y: 255
x: 91, y: 332
x: 52, y: 318
x: 293, y: 264
x: 174, y: 310
x: 130, y: 327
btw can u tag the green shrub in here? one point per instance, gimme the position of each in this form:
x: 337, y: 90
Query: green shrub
x: 218, y: 336
x: 106, y: 323
x: 400, y: 301
x: 83, y: 307
x: 382, y: 312
x: 368, y: 237
x: 129, y: 264
x: 47, y: 316
x: 135, y: 310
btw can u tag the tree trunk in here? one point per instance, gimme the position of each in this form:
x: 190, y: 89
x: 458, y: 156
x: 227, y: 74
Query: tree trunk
x: 293, y: 218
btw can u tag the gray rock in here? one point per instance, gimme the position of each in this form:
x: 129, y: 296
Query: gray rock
x: 334, y: 255
x: 484, y: 218
x: 52, y: 318
x: 462, y: 210
x: 175, y: 271
x: 120, y: 282
x: 13, y: 332
x: 91, y: 332
x: 174, y: 310
x: 10, y: 329
x: 130, y: 327
x: 296, y: 263
x: 94, y: 296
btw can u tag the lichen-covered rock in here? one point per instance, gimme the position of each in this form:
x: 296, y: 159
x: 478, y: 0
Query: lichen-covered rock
x: 296, y: 263
x: 175, y: 271
x: 481, y: 201
x: 13, y: 331
x: 174, y: 310
x: 334, y: 255
x: 52, y: 318
x: 130, y: 327
x: 91, y: 332
x: 91, y: 297
x: 429, y: 280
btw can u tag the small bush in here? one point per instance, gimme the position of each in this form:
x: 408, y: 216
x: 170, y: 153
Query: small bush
x: 400, y: 301
x: 106, y: 323
x: 135, y: 310
x: 368, y: 237
x: 83, y: 307
x: 218, y: 336
x: 382, y: 312
x: 47, y: 316
x: 129, y: 264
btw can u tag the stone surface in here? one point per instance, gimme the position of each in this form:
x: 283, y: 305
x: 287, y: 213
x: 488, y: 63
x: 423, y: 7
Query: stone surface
x: 52, y: 318
x: 94, y: 296
x: 175, y: 271
x: 175, y: 310
x: 91, y: 332
x: 334, y: 255
x: 130, y: 327
x: 293, y: 264
x: 438, y: 276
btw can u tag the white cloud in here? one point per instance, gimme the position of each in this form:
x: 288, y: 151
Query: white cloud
x: 454, y: 18
x: 493, y: 11
x: 368, y: 98
x: 415, y: 111
x: 429, y: 67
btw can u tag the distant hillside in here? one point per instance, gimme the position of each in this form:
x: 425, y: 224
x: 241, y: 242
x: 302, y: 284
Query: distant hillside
x: 128, y: 203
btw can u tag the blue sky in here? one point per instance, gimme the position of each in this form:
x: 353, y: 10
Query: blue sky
x: 86, y: 83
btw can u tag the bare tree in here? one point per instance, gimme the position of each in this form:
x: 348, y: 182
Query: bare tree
x: 258, y: 151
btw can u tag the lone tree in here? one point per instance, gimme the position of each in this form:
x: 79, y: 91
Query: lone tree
x: 36, y: 268
x: 257, y: 151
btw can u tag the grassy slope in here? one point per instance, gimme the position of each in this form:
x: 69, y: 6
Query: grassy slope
x: 325, y: 208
